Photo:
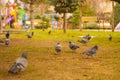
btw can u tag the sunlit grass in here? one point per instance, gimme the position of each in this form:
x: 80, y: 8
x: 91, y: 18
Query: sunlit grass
x: 68, y: 65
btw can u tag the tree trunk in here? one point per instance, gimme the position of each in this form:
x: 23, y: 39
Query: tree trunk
x: 64, y: 23
x: 112, y: 16
x: 31, y: 15
x: 98, y: 22
x: 80, y: 4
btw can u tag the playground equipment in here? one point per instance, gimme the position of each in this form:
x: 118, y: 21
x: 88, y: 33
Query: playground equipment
x: 11, y: 15
x: 14, y: 16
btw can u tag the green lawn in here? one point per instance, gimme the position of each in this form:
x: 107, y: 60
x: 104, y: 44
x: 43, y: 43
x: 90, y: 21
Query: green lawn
x: 69, y: 65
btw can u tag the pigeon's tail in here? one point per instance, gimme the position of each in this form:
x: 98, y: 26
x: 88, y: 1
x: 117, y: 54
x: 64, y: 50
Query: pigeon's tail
x: 16, y: 67
x: 29, y: 36
x: 13, y: 69
x: 10, y: 72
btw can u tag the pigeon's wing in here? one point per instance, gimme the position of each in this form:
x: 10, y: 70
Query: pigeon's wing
x: 88, y: 52
x: 19, y: 65
x: 22, y: 62
x: 29, y: 35
x: 83, y: 41
x: 72, y: 46
x: 92, y: 51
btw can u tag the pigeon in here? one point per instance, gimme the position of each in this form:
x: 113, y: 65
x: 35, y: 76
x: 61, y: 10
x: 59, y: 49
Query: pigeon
x: 91, y: 51
x: 58, y: 47
x: 7, y: 35
x: 73, y: 46
x: 19, y: 65
x: 30, y: 35
x: 110, y: 38
x: 7, y: 41
x: 85, y: 39
x: 49, y: 32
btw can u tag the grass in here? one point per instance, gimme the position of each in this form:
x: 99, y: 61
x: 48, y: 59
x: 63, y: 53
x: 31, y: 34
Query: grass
x: 69, y: 65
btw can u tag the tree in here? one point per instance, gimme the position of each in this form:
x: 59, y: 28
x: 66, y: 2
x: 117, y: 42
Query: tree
x: 80, y: 5
x: 101, y: 7
x: 31, y: 3
x: 113, y: 16
x: 116, y: 1
x: 75, y: 20
x: 87, y: 10
x: 117, y: 13
x: 65, y: 6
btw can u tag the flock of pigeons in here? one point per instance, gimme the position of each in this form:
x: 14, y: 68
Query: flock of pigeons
x: 21, y: 63
x: 90, y: 52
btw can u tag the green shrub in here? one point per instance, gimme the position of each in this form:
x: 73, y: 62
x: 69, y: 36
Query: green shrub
x: 43, y: 25
x: 37, y: 16
x: 90, y: 25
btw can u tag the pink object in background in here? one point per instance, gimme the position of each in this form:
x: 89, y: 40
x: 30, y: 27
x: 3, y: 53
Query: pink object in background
x: 9, y: 19
x: 117, y: 27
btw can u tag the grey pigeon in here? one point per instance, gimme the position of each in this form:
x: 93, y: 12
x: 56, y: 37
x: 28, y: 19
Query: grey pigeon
x: 7, y: 41
x: 7, y: 35
x: 19, y: 65
x: 58, y: 47
x: 30, y: 35
x: 73, y: 46
x: 49, y: 32
x: 85, y: 39
x: 110, y: 38
x: 91, y: 51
